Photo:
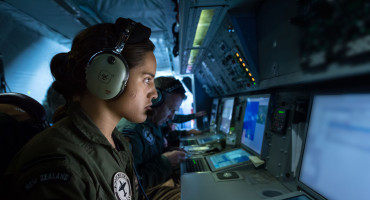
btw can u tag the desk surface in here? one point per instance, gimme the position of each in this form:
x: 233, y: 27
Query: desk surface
x: 254, y: 184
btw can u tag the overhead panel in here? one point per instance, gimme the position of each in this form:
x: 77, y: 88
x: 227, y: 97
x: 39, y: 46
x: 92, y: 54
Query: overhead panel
x: 205, y: 19
x: 198, y: 24
x: 228, y: 65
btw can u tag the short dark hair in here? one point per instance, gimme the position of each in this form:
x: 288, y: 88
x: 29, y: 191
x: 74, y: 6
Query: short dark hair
x: 170, y: 85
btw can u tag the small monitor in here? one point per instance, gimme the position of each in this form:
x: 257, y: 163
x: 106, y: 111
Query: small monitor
x: 254, y: 122
x: 335, y: 161
x: 214, y: 111
x: 227, y: 114
x: 228, y: 159
x: 208, y: 139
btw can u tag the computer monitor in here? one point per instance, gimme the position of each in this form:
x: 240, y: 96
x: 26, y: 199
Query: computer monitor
x: 335, y: 160
x: 214, y: 111
x: 254, y: 122
x: 227, y: 114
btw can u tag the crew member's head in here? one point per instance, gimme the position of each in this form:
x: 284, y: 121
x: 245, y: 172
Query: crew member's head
x: 109, y: 63
x: 171, y: 93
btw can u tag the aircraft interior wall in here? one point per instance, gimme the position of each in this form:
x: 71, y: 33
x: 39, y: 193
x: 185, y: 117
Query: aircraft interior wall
x: 26, y: 54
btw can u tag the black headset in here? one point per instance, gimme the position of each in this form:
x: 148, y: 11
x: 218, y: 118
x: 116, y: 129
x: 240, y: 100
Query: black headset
x: 107, y: 71
x: 160, y: 99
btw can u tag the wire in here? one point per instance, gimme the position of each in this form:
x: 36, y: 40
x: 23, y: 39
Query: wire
x: 141, y: 187
x: 137, y: 175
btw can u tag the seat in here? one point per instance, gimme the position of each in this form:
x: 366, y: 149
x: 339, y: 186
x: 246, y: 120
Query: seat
x: 21, y: 118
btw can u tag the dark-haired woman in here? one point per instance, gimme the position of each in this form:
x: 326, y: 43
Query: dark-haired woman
x: 83, y: 156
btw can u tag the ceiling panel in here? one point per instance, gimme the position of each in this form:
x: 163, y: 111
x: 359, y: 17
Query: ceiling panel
x: 57, y: 16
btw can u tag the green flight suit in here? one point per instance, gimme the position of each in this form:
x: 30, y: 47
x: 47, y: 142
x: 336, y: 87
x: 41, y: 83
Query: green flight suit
x: 147, y: 147
x: 72, y: 160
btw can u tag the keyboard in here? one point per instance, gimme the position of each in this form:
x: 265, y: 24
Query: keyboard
x: 189, y: 142
x: 194, y: 165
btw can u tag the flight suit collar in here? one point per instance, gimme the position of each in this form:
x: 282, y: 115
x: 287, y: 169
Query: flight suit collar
x: 83, y: 122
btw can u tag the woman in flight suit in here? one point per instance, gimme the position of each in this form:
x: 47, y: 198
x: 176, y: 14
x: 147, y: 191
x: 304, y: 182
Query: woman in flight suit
x: 83, y: 156
x: 155, y: 165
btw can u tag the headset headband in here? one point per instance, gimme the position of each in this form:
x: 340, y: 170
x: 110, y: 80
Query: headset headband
x: 173, y: 88
x: 124, y: 37
x: 161, y: 92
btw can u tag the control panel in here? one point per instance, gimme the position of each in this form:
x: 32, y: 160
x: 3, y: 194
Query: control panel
x: 227, y: 67
x: 279, y: 119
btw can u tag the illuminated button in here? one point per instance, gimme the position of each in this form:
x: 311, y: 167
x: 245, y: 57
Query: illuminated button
x: 250, y: 74
x: 240, y: 60
x: 243, y: 64
x: 254, y: 83
x: 230, y: 29
x: 253, y: 79
x: 237, y: 55
x: 246, y: 69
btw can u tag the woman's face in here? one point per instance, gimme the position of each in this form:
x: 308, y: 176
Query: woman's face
x: 137, y: 96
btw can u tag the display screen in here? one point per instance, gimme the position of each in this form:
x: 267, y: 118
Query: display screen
x: 227, y: 114
x: 208, y: 139
x: 214, y: 111
x: 227, y: 159
x: 335, y: 162
x: 254, y: 123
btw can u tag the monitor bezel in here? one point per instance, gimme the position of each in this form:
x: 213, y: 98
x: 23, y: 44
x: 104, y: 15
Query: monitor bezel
x: 232, y: 114
x: 299, y: 183
x: 291, y: 195
x: 266, y: 124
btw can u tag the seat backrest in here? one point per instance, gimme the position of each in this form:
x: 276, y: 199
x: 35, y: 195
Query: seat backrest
x: 21, y: 117
x: 26, y: 103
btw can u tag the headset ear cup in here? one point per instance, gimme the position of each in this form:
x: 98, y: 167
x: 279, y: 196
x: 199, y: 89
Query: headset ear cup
x: 158, y: 100
x: 106, y: 75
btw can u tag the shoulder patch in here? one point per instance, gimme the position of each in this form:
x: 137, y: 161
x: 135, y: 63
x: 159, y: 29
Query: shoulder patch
x: 51, y: 176
x: 122, y: 186
x: 148, y: 135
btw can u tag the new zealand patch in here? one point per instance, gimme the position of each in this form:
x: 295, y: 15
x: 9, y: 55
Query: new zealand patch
x: 54, y: 176
x: 122, y: 186
x: 149, y: 137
